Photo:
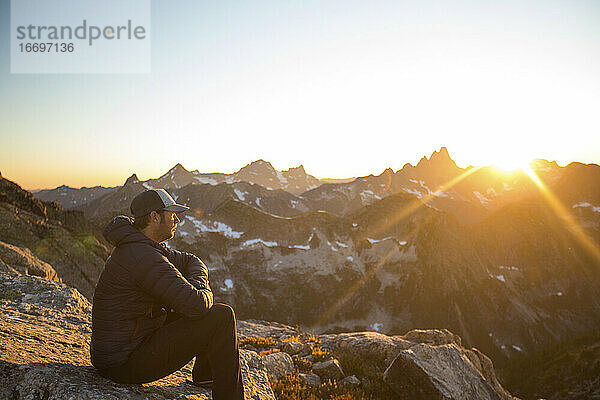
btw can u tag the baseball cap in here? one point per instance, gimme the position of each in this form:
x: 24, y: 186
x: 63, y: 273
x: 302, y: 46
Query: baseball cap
x: 154, y: 199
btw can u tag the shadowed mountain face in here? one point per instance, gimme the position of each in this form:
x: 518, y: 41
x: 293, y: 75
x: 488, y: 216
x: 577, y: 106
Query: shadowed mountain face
x: 468, y: 193
x: 34, y: 234
x: 515, y: 282
x: 569, y: 370
x: 69, y: 197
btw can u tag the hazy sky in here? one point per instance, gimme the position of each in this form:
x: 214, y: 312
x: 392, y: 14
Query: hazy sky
x: 346, y: 88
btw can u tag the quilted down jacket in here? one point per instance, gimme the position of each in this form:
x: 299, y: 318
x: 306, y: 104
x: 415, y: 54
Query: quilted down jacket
x: 141, y: 280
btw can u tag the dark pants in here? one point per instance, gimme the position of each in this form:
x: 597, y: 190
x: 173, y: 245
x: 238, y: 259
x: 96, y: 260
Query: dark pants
x: 211, y: 339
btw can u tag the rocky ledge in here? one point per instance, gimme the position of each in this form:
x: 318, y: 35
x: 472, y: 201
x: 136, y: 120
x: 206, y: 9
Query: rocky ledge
x: 45, y: 329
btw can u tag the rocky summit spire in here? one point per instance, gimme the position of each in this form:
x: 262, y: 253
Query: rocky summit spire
x: 388, y: 171
x: 178, y: 167
x: 133, y: 179
x: 440, y: 158
x: 441, y: 154
x: 259, y: 165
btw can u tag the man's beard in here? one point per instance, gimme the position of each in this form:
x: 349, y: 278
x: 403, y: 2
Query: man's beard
x: 167, y: 230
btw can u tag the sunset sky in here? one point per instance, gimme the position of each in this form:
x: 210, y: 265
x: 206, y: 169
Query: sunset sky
x: 346, y: 88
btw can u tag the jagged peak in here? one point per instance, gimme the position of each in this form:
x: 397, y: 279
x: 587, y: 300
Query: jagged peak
x: 422, y: 161
x: 439, y: 157
x: 259, y: 164
x: 388, y: 172
x: 540, y: 162
x: 299, y: 170
x: 133, y: 179
x: 442, y: 152
x: 178, y: 167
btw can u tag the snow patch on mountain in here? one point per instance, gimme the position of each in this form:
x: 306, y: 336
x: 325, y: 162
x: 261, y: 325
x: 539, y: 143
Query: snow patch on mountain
x: 482, y: 199
x: 228, y: 285
x: 415, y: 192
x: 215, y: 226
x: 281, y: 178
x: 300, y: 246
x: 367, y: 195
x: 201, y: 179
x: 585, y: 204
x: 378, y: 240
x: 491, y: 192
x: 252, y: 242
x: 241, y: 195
x: 427, y: 190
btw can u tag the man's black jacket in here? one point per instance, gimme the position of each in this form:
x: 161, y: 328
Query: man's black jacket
x: 140, y: 280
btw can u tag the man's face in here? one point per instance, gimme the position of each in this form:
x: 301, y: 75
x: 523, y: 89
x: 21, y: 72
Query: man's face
x: 168, y: 225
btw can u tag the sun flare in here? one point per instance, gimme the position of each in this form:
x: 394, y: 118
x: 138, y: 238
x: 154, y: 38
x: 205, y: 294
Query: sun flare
x: 512, y: 164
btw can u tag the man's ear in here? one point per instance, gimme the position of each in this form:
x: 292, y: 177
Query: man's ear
x: 155, y: 217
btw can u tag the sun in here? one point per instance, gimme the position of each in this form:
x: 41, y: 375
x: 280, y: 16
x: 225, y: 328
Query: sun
x: 512, y: 164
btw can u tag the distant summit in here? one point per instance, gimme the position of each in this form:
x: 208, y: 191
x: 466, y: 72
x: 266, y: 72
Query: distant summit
x: 439, y: 160
x: 442, y: 157
x: 256, y: 168
x: 259, y: 172
x: 470, y: 197
x: 133, y: 179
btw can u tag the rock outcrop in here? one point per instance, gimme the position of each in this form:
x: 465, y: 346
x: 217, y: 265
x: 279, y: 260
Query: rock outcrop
x: 44, y: 353
x: 41, y: 238
x: 446, y: 371
x: 45, y: 329
x: 427, y: 364
x: 21, y: 260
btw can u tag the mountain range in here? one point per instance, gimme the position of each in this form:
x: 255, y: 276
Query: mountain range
x: 508, y: 262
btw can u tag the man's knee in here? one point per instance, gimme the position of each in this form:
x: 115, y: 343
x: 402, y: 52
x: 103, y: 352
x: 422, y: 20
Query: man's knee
x: 219, y: 316
x: 223, y: 312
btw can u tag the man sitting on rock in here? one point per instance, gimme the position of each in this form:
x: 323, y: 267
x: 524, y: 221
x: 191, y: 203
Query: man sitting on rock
x: 153, y: 307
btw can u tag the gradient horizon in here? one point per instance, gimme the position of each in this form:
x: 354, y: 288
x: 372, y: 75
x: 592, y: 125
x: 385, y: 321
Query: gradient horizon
x: 345, y: 88
x: 126, y: 175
